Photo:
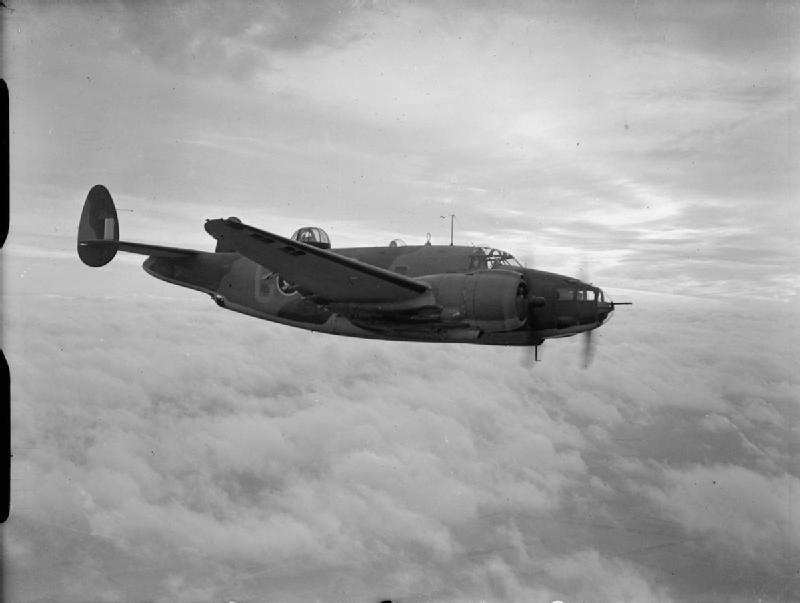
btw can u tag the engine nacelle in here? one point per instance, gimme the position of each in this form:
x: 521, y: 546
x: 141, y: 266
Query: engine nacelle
x: 491, y: 300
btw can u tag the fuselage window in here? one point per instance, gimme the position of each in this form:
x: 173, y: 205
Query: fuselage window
x: 581, y: 295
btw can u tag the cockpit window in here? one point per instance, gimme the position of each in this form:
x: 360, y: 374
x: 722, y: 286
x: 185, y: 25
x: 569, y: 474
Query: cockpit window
x: 484, y: 258
x: 581, y: 295
x: 477, y: 260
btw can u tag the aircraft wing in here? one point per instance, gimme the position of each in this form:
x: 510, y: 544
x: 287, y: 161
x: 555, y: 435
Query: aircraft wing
x: 321, y: 273
x: 141, y: 248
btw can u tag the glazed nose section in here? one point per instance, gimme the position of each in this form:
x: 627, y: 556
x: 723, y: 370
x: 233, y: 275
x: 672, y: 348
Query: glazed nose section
x: 604, y: 310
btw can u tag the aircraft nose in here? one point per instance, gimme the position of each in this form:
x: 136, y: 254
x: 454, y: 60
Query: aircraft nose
x: 604, y: 311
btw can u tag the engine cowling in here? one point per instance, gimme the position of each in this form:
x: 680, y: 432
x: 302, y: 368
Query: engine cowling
x: 491, y: 300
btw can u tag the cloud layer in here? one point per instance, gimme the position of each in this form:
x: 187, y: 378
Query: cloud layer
x: 172, y: 450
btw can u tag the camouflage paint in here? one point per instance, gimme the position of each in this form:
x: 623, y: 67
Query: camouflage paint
x: 530, y: 305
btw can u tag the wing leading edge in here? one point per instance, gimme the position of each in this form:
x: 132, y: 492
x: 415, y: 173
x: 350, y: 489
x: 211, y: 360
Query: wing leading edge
x: 324, y: 274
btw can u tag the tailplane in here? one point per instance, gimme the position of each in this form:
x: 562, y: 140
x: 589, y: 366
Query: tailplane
x: 98, y: 233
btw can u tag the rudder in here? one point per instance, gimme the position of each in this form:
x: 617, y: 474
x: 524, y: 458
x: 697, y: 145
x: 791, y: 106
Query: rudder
x: 222, y: 246
x: 98, y: 222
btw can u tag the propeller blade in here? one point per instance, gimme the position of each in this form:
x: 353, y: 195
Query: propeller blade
x: 528, y: 357
x: 588, y: 348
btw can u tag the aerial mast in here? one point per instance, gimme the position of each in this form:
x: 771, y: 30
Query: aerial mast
x: 452, y: 217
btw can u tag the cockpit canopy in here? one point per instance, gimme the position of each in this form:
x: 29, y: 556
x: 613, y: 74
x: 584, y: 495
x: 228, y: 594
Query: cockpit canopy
x: 487, y: 258
x: 312, y: 235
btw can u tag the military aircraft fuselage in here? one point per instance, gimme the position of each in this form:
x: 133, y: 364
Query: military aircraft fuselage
x: 442, y: 293
x: 477, y: 295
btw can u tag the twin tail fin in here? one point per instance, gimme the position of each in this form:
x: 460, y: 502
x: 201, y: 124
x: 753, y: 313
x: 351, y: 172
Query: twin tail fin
x: 98, y: 233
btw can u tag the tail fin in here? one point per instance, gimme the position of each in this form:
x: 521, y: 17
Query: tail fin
x: 222, y: 245
x: 98, y: 222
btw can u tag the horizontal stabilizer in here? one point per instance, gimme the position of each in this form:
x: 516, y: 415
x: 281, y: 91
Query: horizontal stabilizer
x: 98, y: 233
x: 158, y: 251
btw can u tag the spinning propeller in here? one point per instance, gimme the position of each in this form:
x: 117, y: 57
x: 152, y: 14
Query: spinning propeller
x: 601, y: 310
x: 588, y: 348
x: 588, y: 343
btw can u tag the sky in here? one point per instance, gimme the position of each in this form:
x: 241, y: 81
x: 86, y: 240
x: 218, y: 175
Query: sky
x: 167, y: 450
x: 654, y: 143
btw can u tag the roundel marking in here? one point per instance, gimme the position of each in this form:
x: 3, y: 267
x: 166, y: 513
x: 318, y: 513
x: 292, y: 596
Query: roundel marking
x: 284, y: 286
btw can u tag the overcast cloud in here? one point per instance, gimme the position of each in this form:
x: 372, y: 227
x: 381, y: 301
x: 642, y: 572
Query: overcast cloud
x: 166, y: 450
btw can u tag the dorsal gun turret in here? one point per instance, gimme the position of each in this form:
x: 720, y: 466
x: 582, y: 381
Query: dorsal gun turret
x: 311, y: 235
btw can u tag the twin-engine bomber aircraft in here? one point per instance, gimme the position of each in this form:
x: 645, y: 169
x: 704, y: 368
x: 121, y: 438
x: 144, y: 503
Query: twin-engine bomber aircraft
x: 440, y: 293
